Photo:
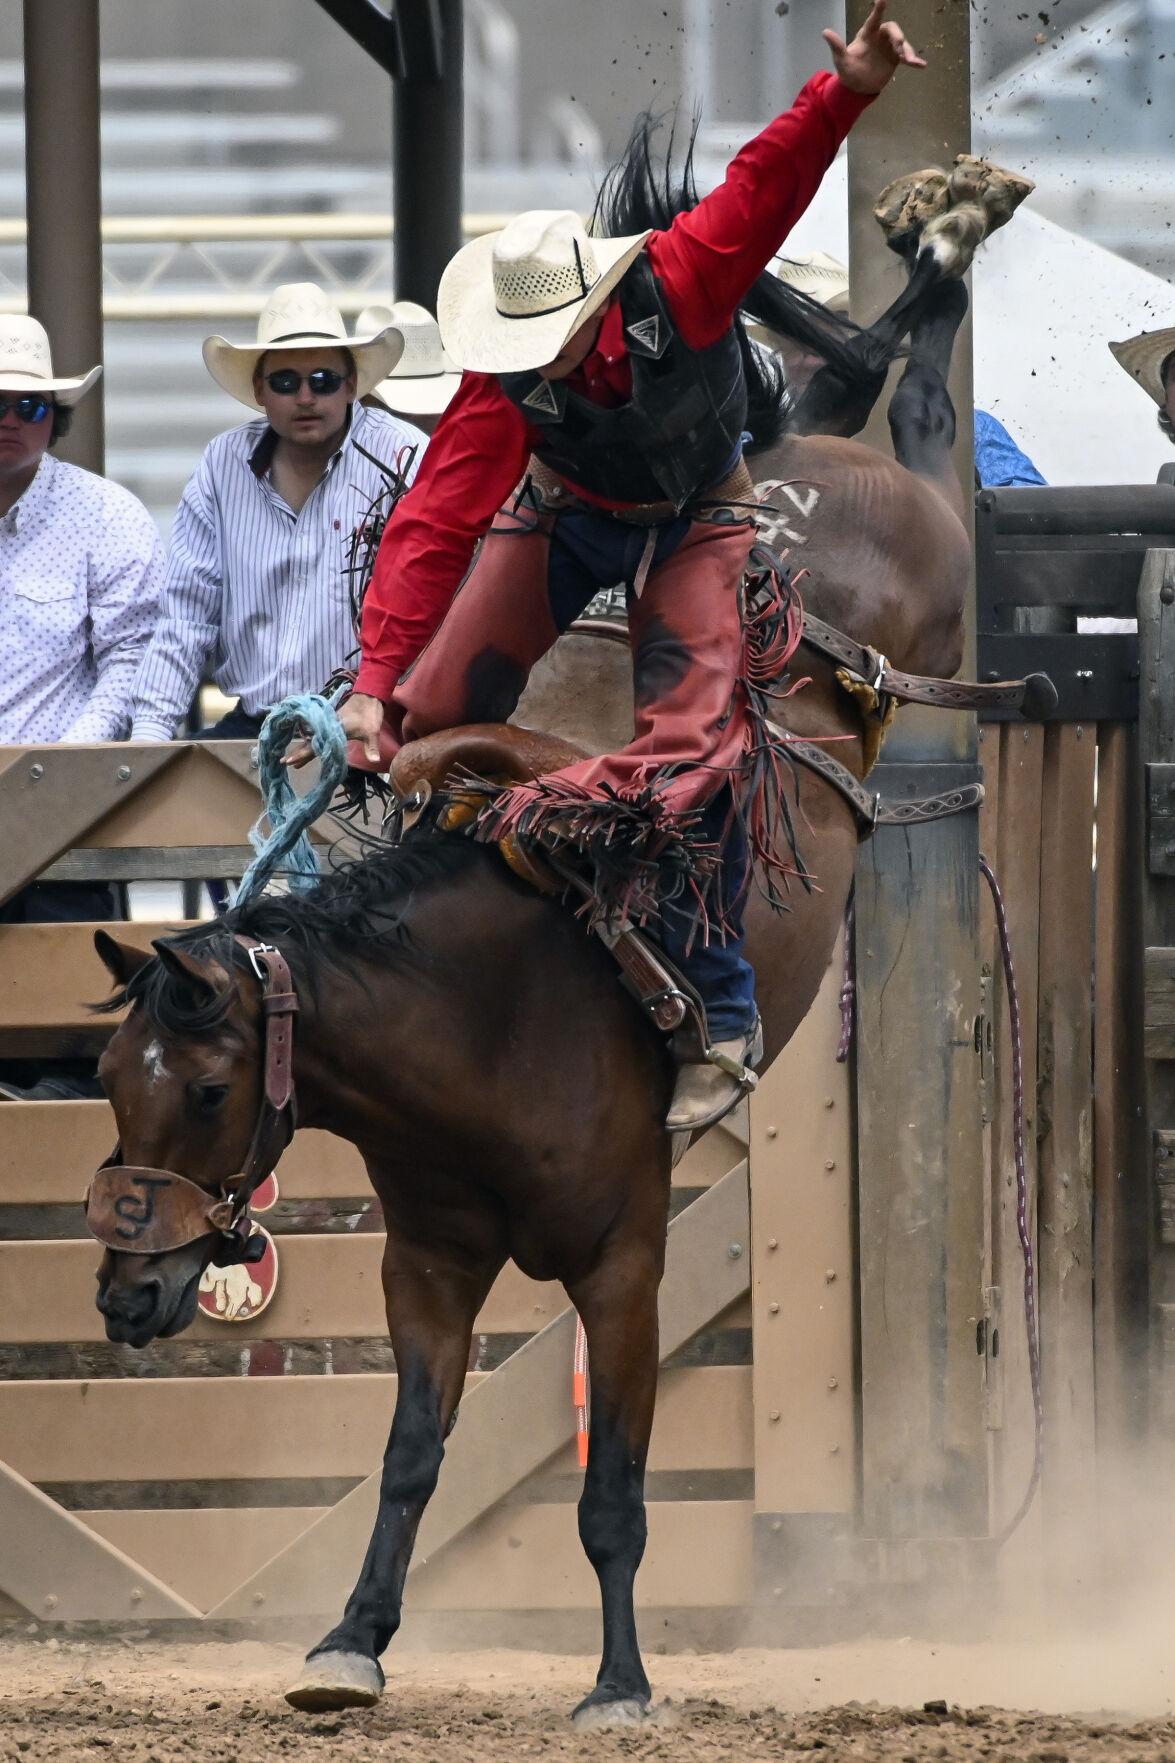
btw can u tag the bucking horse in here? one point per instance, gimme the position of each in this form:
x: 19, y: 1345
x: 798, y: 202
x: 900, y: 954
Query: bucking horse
x: 467, y: 1033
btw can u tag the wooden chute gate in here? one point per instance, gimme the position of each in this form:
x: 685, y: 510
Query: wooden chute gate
x: 844, y: 1404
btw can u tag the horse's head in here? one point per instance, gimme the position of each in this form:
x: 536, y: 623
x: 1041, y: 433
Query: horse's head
x: 189, y: 1076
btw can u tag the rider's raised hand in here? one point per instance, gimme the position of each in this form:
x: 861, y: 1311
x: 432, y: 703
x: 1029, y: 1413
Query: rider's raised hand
x: 868, y: 62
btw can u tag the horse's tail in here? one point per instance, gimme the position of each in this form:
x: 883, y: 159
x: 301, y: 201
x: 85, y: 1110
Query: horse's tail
x: 642, y: 190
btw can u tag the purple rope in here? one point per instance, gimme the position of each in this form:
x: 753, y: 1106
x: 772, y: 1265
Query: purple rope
x: 1025, y: 1235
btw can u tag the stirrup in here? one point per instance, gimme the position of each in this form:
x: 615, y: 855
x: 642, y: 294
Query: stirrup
x: 744, y: 1075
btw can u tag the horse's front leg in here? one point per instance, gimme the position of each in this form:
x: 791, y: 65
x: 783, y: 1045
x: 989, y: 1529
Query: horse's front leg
x: 618, y: 1305
x: 433, y: 1297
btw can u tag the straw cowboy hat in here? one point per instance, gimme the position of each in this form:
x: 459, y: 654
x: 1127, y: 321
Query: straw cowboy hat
x: 1143, y: 359
x: 510, y: 300
x: 815, y: 273
x: 424, y: 379
x: 298, y: 315
x: 26, y: 364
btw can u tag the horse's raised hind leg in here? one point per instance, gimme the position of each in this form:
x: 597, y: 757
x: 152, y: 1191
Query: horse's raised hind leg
x: 432, y: 1302
x: 830, y: 406
x: 921, y: 413
x: 618, y: 1305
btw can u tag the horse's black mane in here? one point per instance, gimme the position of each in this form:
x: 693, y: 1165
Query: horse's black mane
x: 641, y: 191
x: 358, y: 909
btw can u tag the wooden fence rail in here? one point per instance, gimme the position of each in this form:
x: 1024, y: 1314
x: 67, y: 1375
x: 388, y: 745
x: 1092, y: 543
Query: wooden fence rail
x: 250, y: 1494
x: 231, y: 1471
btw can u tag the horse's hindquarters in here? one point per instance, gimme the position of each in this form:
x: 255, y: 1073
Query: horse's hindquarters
x: 582, y: 690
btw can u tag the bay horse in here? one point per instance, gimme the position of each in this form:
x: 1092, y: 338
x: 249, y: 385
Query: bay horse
x: 468, y: 1036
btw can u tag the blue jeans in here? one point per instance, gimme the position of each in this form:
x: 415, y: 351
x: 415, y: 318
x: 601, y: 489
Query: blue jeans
x: 719, y: 971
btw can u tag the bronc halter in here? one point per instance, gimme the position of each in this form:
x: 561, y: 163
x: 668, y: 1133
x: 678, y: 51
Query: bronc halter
x: 142, y: 1211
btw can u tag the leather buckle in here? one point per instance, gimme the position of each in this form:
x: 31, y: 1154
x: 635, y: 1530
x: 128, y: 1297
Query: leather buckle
x: 254, y: 951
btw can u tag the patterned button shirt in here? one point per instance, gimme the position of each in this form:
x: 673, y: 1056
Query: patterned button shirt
x: 257, y: 595
x: 81, y: 570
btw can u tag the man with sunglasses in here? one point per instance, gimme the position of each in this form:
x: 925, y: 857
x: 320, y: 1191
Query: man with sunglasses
x: 81, y: 569
x: 259, y: 579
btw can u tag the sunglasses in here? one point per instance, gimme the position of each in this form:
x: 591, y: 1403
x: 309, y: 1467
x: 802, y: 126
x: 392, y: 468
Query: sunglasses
x: 30, y: 409
x: 287, y: 381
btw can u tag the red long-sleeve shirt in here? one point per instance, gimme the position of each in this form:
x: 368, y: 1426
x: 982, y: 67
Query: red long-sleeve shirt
x: 706, y: 261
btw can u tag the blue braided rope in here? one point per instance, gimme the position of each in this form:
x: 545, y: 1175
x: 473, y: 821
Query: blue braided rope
x: 280, y: 835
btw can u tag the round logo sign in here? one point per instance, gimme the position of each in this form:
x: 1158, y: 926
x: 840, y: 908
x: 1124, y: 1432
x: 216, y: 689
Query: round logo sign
x: 265, y: 1195
x: 241, y: 1292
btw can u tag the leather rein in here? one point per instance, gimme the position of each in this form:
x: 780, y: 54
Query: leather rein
x: 142, y: 1211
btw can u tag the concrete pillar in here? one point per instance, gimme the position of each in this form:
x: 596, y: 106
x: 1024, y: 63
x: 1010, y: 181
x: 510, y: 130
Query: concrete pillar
x: 63, y: 180
x: 920, y: 1162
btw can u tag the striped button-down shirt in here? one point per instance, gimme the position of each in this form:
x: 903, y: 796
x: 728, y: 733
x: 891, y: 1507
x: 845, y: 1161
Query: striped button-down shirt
x: 81, y: 568
x: 255, y: 594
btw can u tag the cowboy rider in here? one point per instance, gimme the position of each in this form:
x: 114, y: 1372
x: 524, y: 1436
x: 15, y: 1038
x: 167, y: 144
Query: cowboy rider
x: 610, y: 365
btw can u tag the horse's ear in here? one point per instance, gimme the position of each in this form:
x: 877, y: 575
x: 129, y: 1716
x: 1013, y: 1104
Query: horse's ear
x: 121, y: 960
x: 208, y: 977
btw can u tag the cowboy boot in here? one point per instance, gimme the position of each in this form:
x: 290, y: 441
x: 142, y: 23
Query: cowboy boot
x: 906, y: 205
x: 710, y: 1089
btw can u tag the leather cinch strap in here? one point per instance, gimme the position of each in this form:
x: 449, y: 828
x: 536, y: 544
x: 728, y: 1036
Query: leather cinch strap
x: 867, y: 805
x: 1036, y: 696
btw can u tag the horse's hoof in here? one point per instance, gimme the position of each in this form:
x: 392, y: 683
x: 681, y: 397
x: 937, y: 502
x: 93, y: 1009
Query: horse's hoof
x: 593, y: 1716
x: 601, y: 1716
x: 908, y: 204
x: 336, y: 1680
x: 998, y: 191
x: 954, y: 237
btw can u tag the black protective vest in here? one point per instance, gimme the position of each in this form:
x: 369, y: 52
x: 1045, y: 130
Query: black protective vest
x: 679, y: 432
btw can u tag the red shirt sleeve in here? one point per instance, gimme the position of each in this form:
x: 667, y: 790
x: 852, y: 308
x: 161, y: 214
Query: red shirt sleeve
x: 708, y: 258
x: 477, y: 454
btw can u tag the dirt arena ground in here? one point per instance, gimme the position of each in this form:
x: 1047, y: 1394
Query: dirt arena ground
x: 144, y: 1701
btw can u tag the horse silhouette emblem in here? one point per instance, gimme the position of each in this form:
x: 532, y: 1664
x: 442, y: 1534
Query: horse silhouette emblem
x: 242, y: 1291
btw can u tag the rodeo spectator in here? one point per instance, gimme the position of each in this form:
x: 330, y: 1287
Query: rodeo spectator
x: 424, y: 379
x: 999, y: 461
x: 80, y: 573
x: 1149, y: 359
x: 258, y: 574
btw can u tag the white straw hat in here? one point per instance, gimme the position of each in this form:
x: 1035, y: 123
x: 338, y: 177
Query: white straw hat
x: 26, y: 363
x: 1143, y: 359
x: 424, y: 379
x: 298, y: 315
x: 815, y: 273
x: 509, y: 301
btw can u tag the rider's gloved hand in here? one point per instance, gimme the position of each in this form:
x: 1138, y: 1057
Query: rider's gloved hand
x: 867, y: 64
